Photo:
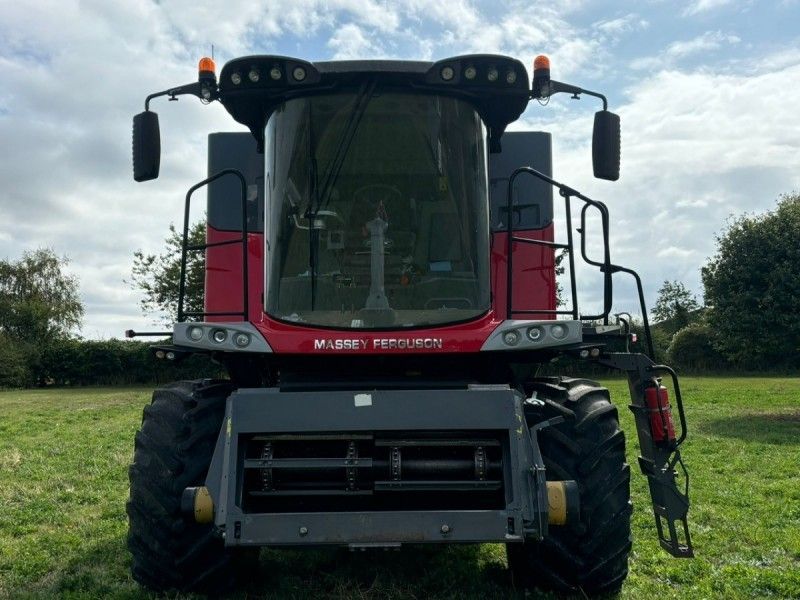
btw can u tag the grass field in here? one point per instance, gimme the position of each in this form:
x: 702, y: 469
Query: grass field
x: 63, y: 485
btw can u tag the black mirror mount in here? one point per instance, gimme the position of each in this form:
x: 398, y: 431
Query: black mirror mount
x: 606, y: 134
x: 606, y: 142
x: 146, y: 136
x: 146, y: 146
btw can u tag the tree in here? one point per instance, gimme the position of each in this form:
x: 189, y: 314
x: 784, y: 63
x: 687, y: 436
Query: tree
x: 38, y: 301
x: 158, y: 276
x: 14, y: 371
x: 39, y: 305
x: 674, y: 306
x: 752, y: 288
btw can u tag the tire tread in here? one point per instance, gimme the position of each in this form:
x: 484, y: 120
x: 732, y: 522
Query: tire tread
x: 590, y: 556
x: 173, y: 450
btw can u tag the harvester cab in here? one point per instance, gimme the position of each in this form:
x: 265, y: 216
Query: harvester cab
x: 381, y: 288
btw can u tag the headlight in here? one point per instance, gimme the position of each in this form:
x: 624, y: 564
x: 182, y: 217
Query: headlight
x: 241, y: 339
x: 535, y: 334
x: 254, y: 75
x: 511, y: 338
x: 558, y: 331
x: 219, y: 335
x: 195, y: 333
x: 448, y: 73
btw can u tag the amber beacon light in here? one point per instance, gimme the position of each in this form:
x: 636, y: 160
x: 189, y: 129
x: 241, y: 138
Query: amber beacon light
x: 541, y: 76
x: 206, y: 69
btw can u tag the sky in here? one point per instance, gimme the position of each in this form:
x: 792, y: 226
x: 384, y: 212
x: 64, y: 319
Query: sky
x: 706, y: 91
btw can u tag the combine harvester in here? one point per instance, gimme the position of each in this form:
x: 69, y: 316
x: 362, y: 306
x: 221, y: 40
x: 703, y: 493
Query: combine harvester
x: 381, y: 289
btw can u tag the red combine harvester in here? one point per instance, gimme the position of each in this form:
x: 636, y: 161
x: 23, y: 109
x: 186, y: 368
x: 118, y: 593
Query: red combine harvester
x: 381, y: 289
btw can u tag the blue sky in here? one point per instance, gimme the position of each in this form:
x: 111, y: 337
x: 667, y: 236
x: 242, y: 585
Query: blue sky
x: 706, y: 90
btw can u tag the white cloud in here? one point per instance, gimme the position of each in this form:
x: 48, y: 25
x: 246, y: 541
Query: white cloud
x: 675, y: 51
x: 676, y: 253
x: 350, y: 42
x: 700, y: 6
x: 616, y: 27
x: 710, y: 40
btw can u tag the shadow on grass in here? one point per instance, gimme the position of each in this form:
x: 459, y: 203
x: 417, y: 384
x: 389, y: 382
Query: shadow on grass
x: 780, y: 428
x: 414, y: 572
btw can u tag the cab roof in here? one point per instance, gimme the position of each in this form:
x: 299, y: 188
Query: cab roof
x: 252, y: 87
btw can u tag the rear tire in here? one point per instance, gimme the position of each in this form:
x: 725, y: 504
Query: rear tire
x: 590, y: 555
x: 173, y: 450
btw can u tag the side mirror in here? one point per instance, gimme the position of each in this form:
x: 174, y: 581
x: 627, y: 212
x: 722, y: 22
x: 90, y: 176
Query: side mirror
x: 146, y: 146
x: 606, y: 145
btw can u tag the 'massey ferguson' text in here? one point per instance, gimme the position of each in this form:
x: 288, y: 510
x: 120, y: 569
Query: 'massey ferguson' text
x: 379, y: 344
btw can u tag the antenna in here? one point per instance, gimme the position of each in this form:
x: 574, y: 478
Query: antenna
x: 212, y: 51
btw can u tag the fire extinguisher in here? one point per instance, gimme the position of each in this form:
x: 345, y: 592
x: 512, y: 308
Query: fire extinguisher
x: 661, y: 425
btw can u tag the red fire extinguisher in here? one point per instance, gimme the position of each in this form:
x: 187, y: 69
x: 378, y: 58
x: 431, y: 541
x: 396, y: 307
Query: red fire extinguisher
x: 661, y: 424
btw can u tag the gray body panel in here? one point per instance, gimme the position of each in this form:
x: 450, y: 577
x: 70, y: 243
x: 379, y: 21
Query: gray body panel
x: 573, y: 334
x: 257, y: 343
x: 522, y: 149
x: 231, y: 150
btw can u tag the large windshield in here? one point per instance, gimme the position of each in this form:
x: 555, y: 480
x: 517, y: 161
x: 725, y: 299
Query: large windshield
x: 377, y: 211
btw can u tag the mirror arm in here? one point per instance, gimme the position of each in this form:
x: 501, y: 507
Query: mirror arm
x: 556, y: 87
x: 201, y: 90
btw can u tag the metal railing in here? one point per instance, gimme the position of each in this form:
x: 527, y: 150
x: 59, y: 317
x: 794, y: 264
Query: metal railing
x: 606, y: 266
x: 186, y: 247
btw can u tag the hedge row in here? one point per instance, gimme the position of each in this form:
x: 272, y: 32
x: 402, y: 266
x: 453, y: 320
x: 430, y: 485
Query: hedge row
x: 70, y: 362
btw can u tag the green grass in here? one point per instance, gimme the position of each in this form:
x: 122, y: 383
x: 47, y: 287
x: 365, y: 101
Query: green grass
x: 63, y: 486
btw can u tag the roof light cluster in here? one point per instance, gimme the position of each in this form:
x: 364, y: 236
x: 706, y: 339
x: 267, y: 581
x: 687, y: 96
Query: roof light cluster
x: 480, y: 70
x: 275, y: 73
x: 266, y: 72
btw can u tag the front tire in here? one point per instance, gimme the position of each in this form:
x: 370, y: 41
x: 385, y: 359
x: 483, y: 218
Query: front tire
x: 173, y: 451
x: 590, y: 555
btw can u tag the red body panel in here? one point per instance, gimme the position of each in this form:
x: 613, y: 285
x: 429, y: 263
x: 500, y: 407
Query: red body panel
x: 285, y: 338
x: 534, y: 277
x: 224, y: 275
x: 534, y: 287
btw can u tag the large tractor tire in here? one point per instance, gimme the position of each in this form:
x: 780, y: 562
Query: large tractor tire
x: 173, y: 451
x: 590, y: 555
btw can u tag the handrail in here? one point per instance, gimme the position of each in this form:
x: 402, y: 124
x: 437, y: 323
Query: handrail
x: 606, y: 267
x: 185, y: 247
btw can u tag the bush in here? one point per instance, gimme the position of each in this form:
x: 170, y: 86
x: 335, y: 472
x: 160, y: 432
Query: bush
x: 70, y: 362
x: 692, y: 349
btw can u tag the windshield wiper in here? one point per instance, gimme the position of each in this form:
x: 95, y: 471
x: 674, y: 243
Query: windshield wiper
x: 359, y: 108
x: 320, y: 196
